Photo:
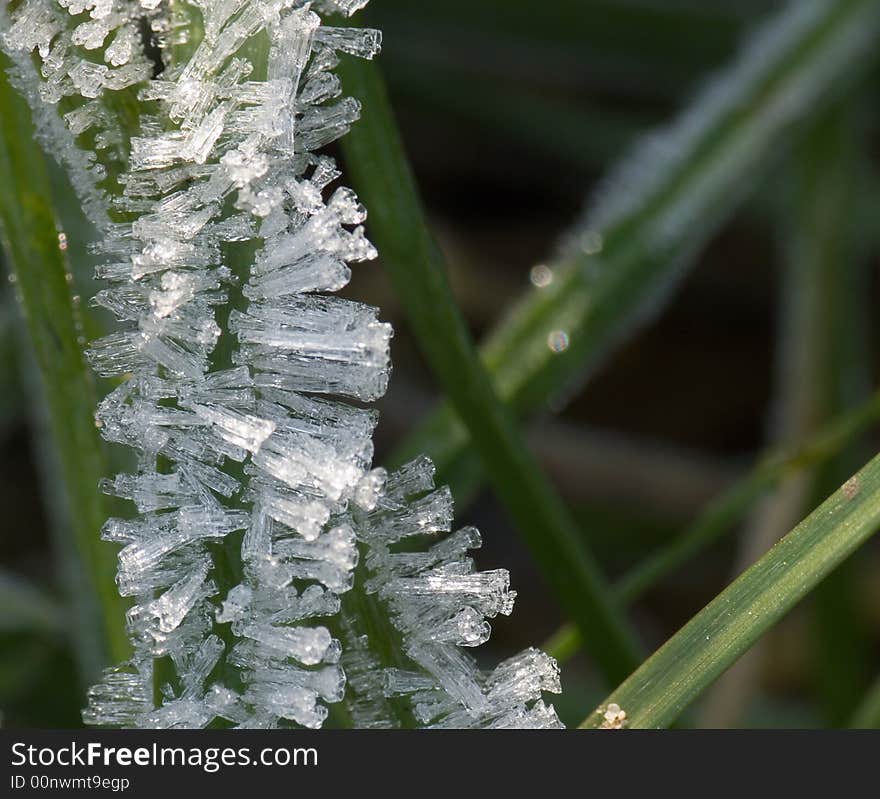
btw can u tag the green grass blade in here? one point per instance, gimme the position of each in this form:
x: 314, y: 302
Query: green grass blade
x: 381, y: 175
x: 675, y: 675
x: 720, y: 516
x: 660, y: 209
x: 30, y: 240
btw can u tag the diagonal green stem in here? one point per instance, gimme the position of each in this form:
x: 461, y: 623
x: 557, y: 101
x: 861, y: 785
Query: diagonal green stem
x: 381, y: 174
x: 675, y: 675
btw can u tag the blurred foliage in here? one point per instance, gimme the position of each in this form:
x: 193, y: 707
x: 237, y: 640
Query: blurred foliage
x: 511, y: 115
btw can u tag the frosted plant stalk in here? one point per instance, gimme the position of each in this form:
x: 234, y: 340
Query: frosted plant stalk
x: 224, y: 236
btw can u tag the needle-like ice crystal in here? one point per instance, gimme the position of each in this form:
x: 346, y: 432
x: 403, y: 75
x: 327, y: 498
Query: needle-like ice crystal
x: 263, y: 532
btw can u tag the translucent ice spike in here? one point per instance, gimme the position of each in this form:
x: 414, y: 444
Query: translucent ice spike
x: 176, y: 289
x: 513, y: 693
x: 241, y: 429
x: 190, y: 525
x: 302, y: 514
x: 150, y: 491
x: 117, y: 354
x: 455, y: 671
x: 429, y: 514
x: 347, y: 7
x: 86, y: 116
x: 468, y: 627
x: 338, y: 546
x: 185, y: 714
x: 169, y: 610
x: 411, y: 479
x: 302, y: 460
x: 329, y: 559
x: 286, y: 606
x: 265, y: 674
x: 310, y: 273
x: 173, y: 568
x: 122, y: 48
x: 325, y: 124
x: 308, y: 646
x: 231, y: 388
x: 122, y: 698
x: 361, y: 42
x: 288, y: 701
x: 125, y: 302
x: 487, y: 591
x: 448, y: 551
x: 324, y: 370
x: 201, y: 664
x: 397, y: 682
x: 523, y: 678
x: 316, y: 416
x: 320, y: 88
x: 257, y: 541
x: 538, y: 716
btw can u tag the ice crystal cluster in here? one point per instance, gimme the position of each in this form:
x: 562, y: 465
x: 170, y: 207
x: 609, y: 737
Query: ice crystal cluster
x: 265, y: 547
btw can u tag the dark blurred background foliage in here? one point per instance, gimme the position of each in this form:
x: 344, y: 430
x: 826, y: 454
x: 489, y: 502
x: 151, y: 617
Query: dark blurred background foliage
x: 511, y: 113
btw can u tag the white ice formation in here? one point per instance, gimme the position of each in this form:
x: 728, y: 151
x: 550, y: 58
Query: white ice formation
x: 189, y: 130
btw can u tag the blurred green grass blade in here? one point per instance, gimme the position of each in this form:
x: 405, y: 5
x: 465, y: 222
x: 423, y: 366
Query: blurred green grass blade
x: 80, y: 233
x: 818, y: 367
x: 674, y: 676
x: 26, y: 608
x: 828, y: 286
x: 867, y: 714
x: 30, y: 240
x: 564, y: 644
x: 721, y: 514
x: 380, y: 173
x: 660, y: 208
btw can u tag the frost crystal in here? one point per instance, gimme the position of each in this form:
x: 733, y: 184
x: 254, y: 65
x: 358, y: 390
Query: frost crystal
x: 222, y: 240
